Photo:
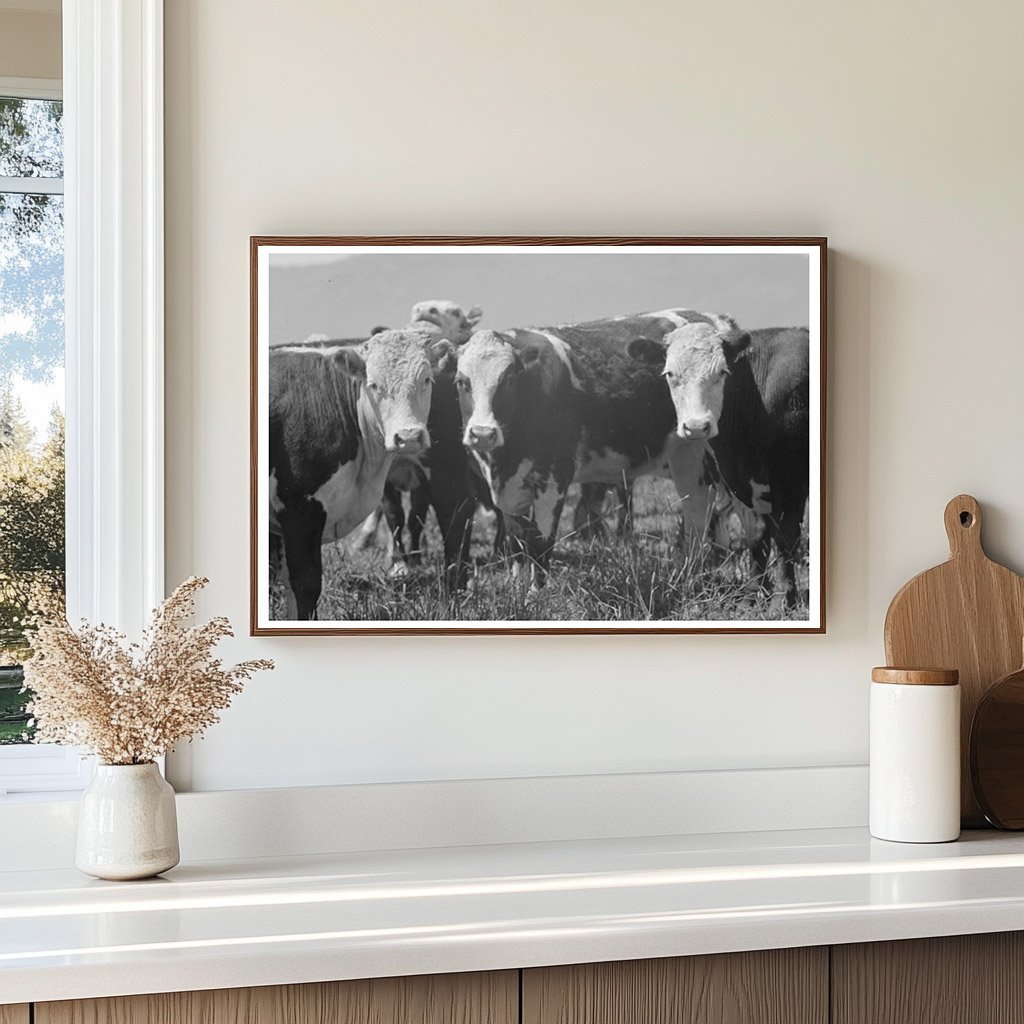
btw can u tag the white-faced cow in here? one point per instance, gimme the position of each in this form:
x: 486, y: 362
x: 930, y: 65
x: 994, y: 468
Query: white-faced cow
x: 451, y: 320
x: 748, y: 396
x: 444, y: 477
x: 544, y: 407
x: 338, y: 420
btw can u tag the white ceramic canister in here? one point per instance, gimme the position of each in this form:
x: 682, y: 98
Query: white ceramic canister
x: 915, y: 755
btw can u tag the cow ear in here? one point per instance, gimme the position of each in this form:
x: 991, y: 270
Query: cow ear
x: 529, y: 356
x: 377, y: 330
x: 735, y: 344
x: 351, y: 362
x: 643, y: 350
x: 474, y: 315
x: 441, y: 354
x: 722, y: 322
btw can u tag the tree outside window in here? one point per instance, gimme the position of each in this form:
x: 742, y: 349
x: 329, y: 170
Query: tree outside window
x: 31, y: 386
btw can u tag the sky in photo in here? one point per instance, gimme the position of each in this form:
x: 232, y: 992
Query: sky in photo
x: 346, y: 296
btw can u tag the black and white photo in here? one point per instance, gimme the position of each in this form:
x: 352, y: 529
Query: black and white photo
x: 537, y: 435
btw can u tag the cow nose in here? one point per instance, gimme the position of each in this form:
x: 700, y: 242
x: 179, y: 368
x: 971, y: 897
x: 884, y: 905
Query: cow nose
x: 410, y: 440
x: 483, y: 437
x: 697, y: 427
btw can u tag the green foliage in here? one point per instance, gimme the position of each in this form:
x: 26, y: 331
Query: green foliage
x: 31, y: 138
x: 31, y: 146
x: 31, y: 524
x: 14, y: 727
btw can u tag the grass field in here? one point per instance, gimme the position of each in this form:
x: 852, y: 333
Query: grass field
x: 643, y: 578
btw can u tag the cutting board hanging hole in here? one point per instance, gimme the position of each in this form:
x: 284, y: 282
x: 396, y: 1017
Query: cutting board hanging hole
x: 963, y: 525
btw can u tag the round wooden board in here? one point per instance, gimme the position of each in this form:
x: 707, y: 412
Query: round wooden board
x: 997, y: 752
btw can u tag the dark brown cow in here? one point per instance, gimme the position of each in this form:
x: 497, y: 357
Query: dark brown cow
x: 338, y: 419
x: 544, y: 407
x: 752, y: 406
x: 445, y: 470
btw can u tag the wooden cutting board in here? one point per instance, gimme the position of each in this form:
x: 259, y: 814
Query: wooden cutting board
x: 967, y: 614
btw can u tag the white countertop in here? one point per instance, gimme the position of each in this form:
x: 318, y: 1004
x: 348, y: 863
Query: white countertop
x: 225, y: 924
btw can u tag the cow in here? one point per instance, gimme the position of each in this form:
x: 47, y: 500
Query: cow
x: 441, y: 319
x: 450, y: 319
x: 544, y: 407
x: 338, y: 420
x: 748, y: 396
x: 588, y: 518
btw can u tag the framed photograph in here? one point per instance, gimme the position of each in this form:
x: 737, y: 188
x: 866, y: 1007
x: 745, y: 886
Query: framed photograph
x: 537, y: 435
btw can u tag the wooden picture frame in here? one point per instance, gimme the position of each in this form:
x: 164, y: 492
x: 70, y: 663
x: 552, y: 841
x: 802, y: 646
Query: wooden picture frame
x: 741, y: 373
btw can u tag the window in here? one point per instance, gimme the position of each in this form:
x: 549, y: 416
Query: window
x: 112, y: 209
x: 32, y: 562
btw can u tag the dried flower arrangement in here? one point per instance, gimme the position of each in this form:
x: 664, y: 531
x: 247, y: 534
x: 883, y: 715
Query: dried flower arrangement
x: 130, y: 703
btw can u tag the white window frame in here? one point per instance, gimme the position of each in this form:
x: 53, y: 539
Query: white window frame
x: 32, y: 88
x: 114, y: 335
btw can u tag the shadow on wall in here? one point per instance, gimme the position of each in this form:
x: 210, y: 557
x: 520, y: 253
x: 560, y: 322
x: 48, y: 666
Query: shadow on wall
x: 855, y: 287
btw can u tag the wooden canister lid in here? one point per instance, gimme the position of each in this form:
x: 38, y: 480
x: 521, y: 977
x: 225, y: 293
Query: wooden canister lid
x: 916, y: 676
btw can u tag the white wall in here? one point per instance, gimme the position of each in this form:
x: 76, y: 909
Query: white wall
x: 29, y: 42
x: 894, y: 129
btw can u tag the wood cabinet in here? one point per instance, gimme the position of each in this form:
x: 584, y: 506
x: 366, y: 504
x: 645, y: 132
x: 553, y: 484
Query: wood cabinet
x: 973, y: 979
x: 963, y: 979
x: 491, y: 998
x: 779, y: 986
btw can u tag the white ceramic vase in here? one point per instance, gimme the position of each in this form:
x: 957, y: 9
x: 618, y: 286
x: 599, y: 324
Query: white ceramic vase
x: 127, y: 825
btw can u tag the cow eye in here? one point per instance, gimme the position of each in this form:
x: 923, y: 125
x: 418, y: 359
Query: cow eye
x: 461, y: 383
x: 373, y: 386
